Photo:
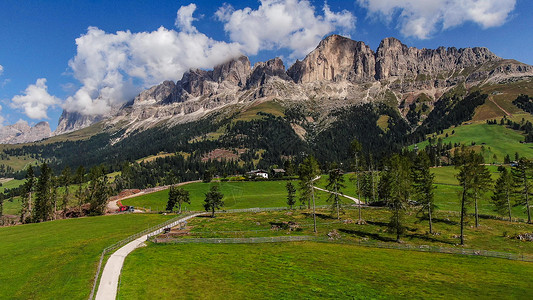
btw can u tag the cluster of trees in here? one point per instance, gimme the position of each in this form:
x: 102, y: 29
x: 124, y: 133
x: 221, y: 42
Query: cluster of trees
x: 177, y: 196
x: 524, y: 102
x: 405, y: 182
x: 525, y: 126
x: 47, y: 197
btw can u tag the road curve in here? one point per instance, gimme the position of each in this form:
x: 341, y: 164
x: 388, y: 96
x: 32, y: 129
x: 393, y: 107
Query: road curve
x: 107, y: 289
x: 342, y: 195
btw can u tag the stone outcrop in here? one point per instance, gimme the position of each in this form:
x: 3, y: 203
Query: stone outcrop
x: 21, y: 132
x: 72, y: 121
x: 396, y: 59
x: 335, y: 59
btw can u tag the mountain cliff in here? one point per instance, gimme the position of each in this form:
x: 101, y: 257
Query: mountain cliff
x: 21, y: 132
x: 339, y: 72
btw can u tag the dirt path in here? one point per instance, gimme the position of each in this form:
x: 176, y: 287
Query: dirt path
x: 112, y: 205
x: 506, y: 112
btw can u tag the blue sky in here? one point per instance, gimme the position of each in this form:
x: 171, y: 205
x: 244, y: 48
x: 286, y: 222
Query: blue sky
x: 88, y: 56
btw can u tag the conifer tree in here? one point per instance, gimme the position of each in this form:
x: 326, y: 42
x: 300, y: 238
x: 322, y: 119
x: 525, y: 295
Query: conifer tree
x: 335, y: 184
x: 42, y: 209
x: 423, y: 186
x: 291, y: 194
x: 522, y: 174
x: 213, y: 200
x: 27, y: 196
x: 98, y: 190
x: 356, y: 150
x: 503, y: 193
x: 400, y: 189
x: 308, y: 171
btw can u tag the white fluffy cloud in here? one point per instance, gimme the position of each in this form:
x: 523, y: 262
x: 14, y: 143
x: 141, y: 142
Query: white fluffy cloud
x: 291, y: 24
x: 113, y: 67
x: 1, y: 70
x: 35, y: 100
x: 421, y: 18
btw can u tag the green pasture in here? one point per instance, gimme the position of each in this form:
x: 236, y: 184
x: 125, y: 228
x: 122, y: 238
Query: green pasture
x: 309, y: 270
x: 489, y: 140
x: 244, y: 194
x: 58, y: 259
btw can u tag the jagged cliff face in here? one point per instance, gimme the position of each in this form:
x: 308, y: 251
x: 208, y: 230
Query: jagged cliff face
x: 21, y: 132
x: 338, y: 72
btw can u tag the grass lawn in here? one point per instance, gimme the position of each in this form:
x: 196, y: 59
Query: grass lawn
x: 493, y: 235
x: 58, y: 259
x: 245, y: 194
x: 309, y: 270
x: 495, y: 140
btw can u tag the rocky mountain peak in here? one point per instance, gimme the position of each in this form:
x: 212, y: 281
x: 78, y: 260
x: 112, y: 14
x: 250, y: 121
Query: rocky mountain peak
x: 22, y: 132
x: 264, y: 71
x: 336, y: 58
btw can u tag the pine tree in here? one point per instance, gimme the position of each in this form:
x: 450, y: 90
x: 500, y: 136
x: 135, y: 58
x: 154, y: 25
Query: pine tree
x: 423, y: 186
x: 213, y: 200
x: 356, y: 150
x: 335, y: 184
x: 308, y: 171
x: 481, y: 183
x: 291, y: 194
x: 27, y: 197
x: 522, y: 175
x: 400, y: 189
x: 42, y: 209
x: 172, y: 198
x: 81, y: 193
x: 503, y: 193
x: 65, y: 180
x: 98, y: 190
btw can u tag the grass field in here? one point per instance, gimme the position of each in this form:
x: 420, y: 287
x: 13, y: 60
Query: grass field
x: 492, y: 234
x: 495, y: 140
x: 246, y: 194
x: 11, y: 184
x: 310, y: 270
x: 57, y: 260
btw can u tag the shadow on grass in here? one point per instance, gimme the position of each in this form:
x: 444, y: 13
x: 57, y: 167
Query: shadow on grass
x: 374, y: 236
x: 382, y: 224
x: 320, y: 216
x: 428, y: 238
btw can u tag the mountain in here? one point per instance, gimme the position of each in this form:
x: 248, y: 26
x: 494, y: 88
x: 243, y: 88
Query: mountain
x: 337, y: 73
x: 21, y: 132
x: 266, y: 114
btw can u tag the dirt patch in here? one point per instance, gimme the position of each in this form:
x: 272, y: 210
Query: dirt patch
x: 223, y: 154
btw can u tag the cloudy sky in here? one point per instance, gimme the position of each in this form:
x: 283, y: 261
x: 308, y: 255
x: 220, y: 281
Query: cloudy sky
x: 88, y: 56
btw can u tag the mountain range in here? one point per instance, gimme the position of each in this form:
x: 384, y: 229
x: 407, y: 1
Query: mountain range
x: 339, y: 73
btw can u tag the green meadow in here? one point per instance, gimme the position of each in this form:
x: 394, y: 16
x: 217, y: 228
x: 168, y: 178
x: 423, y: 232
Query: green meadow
x: 309, y: 270
x: 58, y: 259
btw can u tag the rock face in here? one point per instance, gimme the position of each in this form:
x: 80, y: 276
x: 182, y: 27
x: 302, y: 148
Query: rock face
x: 396, y: 59
x: 335, y: 59
x: 338, y: 72
x: 72, y: 121
x: 21, y: 132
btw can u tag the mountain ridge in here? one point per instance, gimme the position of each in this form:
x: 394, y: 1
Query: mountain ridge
x: 338, y: 72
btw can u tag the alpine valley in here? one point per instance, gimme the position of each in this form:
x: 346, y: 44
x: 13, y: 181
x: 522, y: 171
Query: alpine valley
x: 239, y: 116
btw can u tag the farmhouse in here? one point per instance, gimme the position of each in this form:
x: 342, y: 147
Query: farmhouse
x: 257, y: 173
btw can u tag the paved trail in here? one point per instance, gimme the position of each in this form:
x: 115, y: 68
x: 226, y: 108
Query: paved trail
x: 107, y: 289
x: 342, y: 195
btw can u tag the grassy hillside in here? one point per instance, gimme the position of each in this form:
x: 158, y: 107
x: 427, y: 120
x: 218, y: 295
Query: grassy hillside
x: 246, y: 194
x: 57, y: 260
x: 490, y: 140
x: 315, y: 270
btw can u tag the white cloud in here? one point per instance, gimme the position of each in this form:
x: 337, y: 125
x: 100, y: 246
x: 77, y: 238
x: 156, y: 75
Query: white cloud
x: 184, y: 18
x: 422, y: 18
x: 113, y: 68
x: 1, y: 70
x: 291, y: 24
x: 35, y: 100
